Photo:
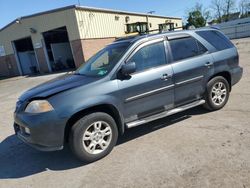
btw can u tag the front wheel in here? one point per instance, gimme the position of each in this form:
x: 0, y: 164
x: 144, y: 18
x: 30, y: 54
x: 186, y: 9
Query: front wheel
x: 93, y: 136
x: 217, y: 93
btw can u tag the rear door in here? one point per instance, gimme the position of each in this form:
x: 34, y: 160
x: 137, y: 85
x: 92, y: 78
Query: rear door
x: 192, y: 64
x: 150, y: 89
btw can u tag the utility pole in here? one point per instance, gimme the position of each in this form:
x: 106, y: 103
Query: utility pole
x: 79, y: 3
x: 150, y: 12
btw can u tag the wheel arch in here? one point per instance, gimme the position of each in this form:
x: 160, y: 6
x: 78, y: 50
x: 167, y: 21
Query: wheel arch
x: 106, y: 108
x: 224, y: 74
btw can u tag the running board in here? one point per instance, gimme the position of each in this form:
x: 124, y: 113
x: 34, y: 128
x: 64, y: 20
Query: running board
x: 164, y: 114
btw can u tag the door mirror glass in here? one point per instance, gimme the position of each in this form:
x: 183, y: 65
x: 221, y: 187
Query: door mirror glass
x: 128, y: 68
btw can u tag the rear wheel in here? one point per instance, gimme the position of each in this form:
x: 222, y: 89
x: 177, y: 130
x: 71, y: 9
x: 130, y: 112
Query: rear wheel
x: 217, y: 93
x: 93, y: 136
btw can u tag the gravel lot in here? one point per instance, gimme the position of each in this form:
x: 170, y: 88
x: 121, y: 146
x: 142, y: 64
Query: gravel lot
x: 191, y: 149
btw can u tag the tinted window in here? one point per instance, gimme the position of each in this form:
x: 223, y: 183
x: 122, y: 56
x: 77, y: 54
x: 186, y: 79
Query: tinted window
x: 149, y: 56
x: 217, y: 39
x: 185, y: 48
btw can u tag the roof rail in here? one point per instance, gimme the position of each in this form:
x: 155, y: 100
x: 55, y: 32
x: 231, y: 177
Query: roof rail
x: 161, y: 31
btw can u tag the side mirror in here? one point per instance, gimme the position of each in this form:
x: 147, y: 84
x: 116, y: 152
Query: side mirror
x: 128, y: 68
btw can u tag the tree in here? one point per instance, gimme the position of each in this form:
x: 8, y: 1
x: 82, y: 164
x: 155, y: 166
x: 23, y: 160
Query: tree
x: 228, y: 8
x: 198, y: 16
x: 217, y: 7
x: 222, y: 9
x: 244, y: 6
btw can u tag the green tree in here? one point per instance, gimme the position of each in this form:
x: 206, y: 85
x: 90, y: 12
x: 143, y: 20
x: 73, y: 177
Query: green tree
x: 196, y: 19
x: 198, y: 16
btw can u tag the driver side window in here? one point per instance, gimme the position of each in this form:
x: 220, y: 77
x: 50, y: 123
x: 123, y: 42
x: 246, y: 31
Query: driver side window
x: 150, y: 56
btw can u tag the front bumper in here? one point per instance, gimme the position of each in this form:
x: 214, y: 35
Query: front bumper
x: 236, y: 75
x: 46, y: 130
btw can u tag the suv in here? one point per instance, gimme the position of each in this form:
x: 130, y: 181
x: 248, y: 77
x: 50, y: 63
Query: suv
x: 128, y: 83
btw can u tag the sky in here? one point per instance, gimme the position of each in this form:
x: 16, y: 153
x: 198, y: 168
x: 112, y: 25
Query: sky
x: 12, y: 9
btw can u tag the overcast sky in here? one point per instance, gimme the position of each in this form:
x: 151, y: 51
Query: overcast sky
x: 12, y: 9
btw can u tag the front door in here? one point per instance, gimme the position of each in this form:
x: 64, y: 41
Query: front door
x: 150, y: 89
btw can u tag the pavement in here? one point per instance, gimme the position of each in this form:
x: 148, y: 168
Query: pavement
x: 194, y: 148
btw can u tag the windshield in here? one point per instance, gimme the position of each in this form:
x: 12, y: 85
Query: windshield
x: 104, y: 61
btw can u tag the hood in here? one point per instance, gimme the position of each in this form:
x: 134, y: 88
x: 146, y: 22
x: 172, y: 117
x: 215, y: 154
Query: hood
x: 57, y: 85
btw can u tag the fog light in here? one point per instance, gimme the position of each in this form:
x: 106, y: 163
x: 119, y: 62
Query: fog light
x: 26, y: 129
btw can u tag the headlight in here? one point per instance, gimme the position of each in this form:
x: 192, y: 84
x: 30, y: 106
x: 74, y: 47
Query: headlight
x: 39, y: 106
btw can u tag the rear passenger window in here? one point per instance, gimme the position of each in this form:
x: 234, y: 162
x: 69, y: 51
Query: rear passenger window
x: 149, y: 56
x: 185, y: 48
x: 216, y: 39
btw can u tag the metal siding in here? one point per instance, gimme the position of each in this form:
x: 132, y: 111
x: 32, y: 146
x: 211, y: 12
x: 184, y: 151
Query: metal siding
x: 41, y: 23
x: 237, y: 31
x: 94, y: 24
x: 156, y: 21
x: 236, y: 28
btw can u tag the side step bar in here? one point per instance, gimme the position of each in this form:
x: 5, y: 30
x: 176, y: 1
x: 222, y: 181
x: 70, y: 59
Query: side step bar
x: 164, y: 114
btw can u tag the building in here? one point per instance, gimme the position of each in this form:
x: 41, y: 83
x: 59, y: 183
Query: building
x: 65, y: 38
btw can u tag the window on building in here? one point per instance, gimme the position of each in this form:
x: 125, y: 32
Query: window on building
x: 141, y: 27
x: 216, y: 39
x: 166, y: 27
x: 185, y: 48
x: 149, y: 56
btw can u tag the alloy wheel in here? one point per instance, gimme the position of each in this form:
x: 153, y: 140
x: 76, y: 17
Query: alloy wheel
x: 218, y: 93
x: 97, y: 137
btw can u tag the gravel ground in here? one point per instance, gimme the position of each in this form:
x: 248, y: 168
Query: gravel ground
x: 191, y: 149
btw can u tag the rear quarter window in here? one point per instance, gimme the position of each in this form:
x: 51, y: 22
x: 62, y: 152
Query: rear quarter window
x: 216, y: 39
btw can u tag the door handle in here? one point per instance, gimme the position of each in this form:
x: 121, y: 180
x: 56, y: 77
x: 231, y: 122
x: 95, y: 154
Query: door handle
x: 165, y: 76
x: 208, y: 64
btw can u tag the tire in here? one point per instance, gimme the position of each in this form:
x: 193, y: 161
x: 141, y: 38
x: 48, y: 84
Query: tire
x: 217, y: 93
x: 93, y: 137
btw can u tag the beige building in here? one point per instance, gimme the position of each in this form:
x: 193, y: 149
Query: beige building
x: 64, y: 38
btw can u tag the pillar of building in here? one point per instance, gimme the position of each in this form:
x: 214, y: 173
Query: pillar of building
x: 77, y: 51
x: 8, y: 66
x: 42, y: 60
x: 83, y: 49
x: 92, y: 46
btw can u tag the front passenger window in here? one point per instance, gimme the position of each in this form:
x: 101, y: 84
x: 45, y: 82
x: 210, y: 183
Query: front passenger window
x: 149, y: 56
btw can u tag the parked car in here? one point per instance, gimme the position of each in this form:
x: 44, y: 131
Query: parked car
x: 128, y: 83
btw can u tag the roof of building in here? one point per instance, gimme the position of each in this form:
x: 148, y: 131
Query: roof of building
x: 88, y: 9
x: 123, y: 12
